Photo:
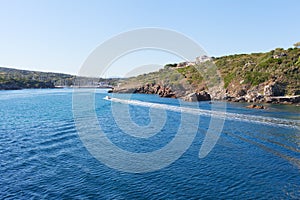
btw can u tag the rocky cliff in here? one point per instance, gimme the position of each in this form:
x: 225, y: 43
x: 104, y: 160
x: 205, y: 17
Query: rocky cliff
x: 271, y: 77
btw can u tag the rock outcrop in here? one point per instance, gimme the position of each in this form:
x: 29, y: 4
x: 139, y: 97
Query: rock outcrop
x: 123, y: 90
x: 201, y: 96
x: 192, y: 97
x: 254, y: 106
x: 271, y: 91
x: 283, y: 99
x: 158, y: 89
x: 274, y: 89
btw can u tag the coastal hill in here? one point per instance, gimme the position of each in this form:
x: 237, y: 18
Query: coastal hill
x: 257, y: 77
x: 20, y: 79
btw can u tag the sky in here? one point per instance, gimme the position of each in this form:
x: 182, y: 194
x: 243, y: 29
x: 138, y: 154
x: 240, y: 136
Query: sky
x: 59, y: 35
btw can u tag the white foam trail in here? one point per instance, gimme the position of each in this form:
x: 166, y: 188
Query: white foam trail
x: 218, y: 114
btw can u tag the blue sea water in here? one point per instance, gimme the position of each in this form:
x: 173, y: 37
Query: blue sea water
x: 42, y: 155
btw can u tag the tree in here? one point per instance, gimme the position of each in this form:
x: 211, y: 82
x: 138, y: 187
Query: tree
x: 297, y: 44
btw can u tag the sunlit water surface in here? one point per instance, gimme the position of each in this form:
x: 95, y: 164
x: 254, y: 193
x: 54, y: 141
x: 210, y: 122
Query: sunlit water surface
x: 42, y: 156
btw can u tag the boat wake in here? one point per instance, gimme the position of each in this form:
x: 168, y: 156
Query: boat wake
x: 216, y: 114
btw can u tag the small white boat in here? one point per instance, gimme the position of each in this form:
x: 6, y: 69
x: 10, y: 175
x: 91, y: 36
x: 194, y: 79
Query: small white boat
x: 107, y: 97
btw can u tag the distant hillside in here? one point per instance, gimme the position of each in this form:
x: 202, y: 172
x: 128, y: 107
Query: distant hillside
x: 244, y: 76
x: 19, y: 79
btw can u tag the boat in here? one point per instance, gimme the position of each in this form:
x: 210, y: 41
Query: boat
x: 107, y: 97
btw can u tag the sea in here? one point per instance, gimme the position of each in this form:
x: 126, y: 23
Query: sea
x: 90, y: 144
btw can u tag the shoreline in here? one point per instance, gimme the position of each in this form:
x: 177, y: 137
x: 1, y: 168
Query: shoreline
x: 280, y: 100
x: 57, y: 87
x: 204, y: 96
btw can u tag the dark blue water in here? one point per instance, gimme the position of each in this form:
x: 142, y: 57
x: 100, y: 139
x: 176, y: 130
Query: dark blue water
x: 43, y: 157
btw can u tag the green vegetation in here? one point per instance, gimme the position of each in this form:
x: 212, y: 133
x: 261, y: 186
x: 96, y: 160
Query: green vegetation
x: 227, y: 79
x: 19, y: 79
x: 248, y: 69
x: 255, y: 78
x: 166, y: 76
x: 23, y: 83
x: 257, y: 68
x: 192, y: 75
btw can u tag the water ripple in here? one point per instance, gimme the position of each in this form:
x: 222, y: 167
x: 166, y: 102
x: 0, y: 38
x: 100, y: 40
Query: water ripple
x: 42, y: 157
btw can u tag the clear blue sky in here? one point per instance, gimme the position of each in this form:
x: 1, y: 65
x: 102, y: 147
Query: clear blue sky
x: 58, y: 35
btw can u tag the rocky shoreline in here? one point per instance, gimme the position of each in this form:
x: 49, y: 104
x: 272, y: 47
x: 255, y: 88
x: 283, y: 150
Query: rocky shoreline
x: 148, y: 89
x: 271, y: 93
